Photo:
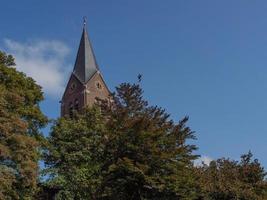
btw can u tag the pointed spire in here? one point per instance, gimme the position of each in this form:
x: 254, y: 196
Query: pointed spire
x: 85, y: 65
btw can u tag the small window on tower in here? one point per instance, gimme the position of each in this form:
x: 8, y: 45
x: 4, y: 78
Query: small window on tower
x: 76, y: 105
x: 98, y: 85
x: 73, y: 87
x: 71, y: 110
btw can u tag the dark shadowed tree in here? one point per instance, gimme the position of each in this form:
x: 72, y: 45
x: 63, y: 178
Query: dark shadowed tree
x: 147, y: 154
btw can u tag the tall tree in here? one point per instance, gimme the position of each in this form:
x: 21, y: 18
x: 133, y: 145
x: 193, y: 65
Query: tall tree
x: 122, y: 150
x: 148, y: 155
x: 20, y: 122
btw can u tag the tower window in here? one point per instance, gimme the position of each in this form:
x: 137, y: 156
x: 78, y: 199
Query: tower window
x: 76, y: 105
x: 98, y: 85
x: 73, y: 87
x: 71, y: 110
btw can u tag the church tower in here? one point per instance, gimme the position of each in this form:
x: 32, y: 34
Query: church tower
x: 86, y: 82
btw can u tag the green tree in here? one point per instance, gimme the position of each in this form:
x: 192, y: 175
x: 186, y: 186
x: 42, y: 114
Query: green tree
x: 227, y: 179
x: 20, y: 138
x: 7, y: 60
x: 75, y: 154
x: 129, y: 150
x: 147, y: 154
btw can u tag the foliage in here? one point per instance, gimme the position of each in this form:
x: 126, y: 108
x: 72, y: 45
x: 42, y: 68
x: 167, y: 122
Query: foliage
x: 129, y: 150
x: 75, y: 154
x: 7, y: 60
x: 227, y: 179
x: 147, y: 155
x: 20, y: 121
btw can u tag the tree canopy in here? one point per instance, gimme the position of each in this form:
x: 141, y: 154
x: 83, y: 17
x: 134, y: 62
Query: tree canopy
x: 226, y: 179
x: 122, y: 150
x: 20, y: 122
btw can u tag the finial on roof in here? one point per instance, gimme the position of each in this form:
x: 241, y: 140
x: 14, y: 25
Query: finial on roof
x: 84, y: 21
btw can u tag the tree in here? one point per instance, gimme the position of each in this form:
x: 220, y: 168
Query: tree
x: 20, y: 138
x: 7, y: 60
x: 122, y: 150
x: 148, y: 156
x: 75, y: 154
x: 227, y: 179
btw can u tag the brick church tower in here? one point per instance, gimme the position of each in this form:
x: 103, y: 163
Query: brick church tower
x: 86, y: 82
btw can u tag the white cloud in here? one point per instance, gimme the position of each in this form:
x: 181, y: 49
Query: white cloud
x: 203, y: 160
x: 44, y: 61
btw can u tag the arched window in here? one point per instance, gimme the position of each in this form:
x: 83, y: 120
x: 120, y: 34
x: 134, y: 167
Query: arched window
x: 98, y: 85
x: 71, y: 110
x: 76, y: 105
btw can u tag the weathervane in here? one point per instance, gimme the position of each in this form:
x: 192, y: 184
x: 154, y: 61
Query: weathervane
x: 84, y: 21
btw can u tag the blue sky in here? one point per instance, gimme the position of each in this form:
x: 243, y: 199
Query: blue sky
x: 205, y: 59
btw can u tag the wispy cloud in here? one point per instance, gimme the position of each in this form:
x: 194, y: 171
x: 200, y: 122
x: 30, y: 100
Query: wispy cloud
x: 44, y: 61
x: 203, y: 160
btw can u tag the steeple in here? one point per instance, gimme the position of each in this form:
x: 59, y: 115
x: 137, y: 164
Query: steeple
x: 85, y: 65
x: 86, y: 83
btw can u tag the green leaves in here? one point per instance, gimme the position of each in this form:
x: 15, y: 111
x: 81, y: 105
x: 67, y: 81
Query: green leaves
x: 227, y: 179
x: 20, y: 122
x: 122, y: 150
x: 74, y: 155
x: 6, y: 60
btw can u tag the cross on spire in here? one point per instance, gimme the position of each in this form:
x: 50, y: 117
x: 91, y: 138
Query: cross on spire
x: 84, y: 21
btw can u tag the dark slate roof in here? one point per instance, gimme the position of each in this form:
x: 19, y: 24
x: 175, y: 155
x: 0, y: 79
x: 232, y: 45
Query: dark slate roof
x: 85, y: 65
